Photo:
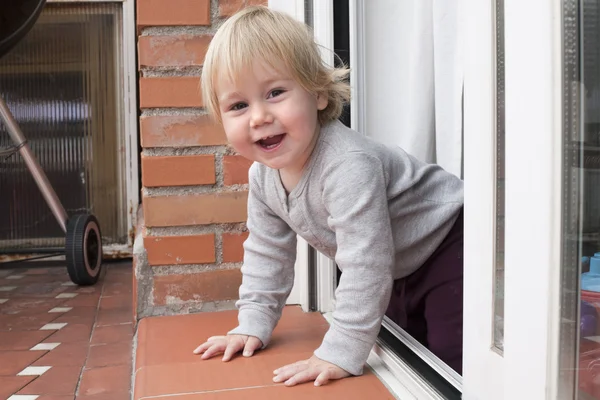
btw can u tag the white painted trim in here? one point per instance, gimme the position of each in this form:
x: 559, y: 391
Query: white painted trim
x: 292, y: 7
x: 323, y: 33
x: 323, y: 29
x: 533, y: 197
x: 130, y: 117
x: 358, y: 117
x: 326, y: 278
x: 483, y: 367
x: 300, y: 290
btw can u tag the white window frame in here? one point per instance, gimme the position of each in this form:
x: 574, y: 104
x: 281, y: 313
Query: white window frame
x: 528, y: 367
x: 130, y: 125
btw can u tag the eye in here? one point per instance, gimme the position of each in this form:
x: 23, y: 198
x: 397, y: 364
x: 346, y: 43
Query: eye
x: 238, y: 106
x: 276, y: 92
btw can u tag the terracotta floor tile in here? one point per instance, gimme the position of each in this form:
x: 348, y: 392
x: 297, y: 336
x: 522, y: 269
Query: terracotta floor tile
x: 57, y: 381
x: 125, y: 395
x: 70, y: 319
x: 71, y: 334
x: 110, y: 354
x: 192, y: 330
x: 293, y: 317
x: 83, y: 300
x: 117, y: 288
x: 17, y: 322
x: 114, y: 316
x: 115, y: 302
x: 55, y: 397
x: 207, y: 375
x: 11, y: 384
x: 65, y: 355
x: 29, y: 306
x: 154, y: 333
x: 14, y: 362
x: 112, y: 334
x: 39, y: 290
x: 15, y: 340
x: 358, y: 388
x: 97, y: 381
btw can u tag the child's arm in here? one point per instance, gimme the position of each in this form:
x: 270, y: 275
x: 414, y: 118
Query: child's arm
x: 354, y: 191
x: 267, y: 279
x: 268, y: 269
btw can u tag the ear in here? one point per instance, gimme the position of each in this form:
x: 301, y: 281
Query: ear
x: 322, y: 101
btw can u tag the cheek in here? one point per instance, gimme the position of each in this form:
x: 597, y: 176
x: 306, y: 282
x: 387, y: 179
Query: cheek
x: 237, y: 135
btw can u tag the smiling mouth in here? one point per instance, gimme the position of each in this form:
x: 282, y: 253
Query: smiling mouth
x: 271, y: 142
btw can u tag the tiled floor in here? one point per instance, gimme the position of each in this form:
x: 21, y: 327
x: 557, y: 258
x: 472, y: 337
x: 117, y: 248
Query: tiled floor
x: 59, y: 341
x: 167, y: 369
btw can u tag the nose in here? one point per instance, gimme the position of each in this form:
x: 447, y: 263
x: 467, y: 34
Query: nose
x: 260, y: 116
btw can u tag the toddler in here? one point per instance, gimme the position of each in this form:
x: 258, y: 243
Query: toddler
x: 392, y: 224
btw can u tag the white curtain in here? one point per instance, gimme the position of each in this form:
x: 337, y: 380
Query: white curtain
x: 414, y: 78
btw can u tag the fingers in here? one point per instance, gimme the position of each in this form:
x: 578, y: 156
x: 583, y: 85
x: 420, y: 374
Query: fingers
x: 309, y: 374
x: 252, y: 345
x: 235, y: 345
x: 324, y: 377
x: 287, y: 372
x: 213, y: 349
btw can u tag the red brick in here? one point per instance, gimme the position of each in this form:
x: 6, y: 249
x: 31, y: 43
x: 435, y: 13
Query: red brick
x: 173, y: 250
x: 178, y: 170
x: 233, y: 247
x: 181, y: 91
x: 181, y: 131
x: 166, y: 51
x: 202, y: 287
x: 229, y: 7
x: 173, y: 12
x: 201, y: 209
x: 235, y: 170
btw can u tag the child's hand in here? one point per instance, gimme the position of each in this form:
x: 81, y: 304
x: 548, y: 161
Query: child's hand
x: 307, y: 370
x: 229, y: 345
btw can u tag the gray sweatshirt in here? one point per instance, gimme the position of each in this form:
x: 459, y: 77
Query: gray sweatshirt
x: 377, y: 211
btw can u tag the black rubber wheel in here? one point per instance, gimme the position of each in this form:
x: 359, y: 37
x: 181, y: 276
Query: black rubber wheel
x: 83, y: 249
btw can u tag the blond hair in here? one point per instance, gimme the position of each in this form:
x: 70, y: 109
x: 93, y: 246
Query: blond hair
x: 273, y: 37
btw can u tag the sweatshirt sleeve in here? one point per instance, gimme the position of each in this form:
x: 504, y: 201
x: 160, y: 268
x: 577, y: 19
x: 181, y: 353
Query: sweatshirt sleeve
x: 355, y: 195
x: 267, y: 270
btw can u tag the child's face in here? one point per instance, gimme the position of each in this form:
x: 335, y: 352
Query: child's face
x: 268, y: 117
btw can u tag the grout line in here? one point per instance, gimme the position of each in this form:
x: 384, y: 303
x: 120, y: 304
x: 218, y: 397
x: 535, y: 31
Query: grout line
x: 103, y: 277
x: 161, y: 396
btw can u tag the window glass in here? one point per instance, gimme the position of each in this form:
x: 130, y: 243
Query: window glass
x: 580, y: 269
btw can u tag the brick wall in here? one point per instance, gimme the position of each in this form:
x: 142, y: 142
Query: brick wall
x: 194, y: 186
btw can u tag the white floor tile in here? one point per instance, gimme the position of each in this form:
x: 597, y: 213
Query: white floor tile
x: 15, y: 277
x: 7, y: 288
x: 66, y: 295
x: 33, y: 371
x: 53, y: 327
x: 60, y: 309
x: 45, y: 346
x: 23, y: 397
x: 2, y: 301
x: 69, y: 284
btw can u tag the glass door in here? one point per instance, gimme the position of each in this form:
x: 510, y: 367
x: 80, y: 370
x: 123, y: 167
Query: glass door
x: 579, y: 356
